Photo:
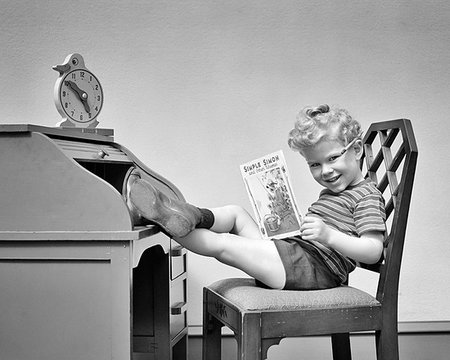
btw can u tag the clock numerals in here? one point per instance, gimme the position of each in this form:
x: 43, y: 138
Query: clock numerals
x: 81, y: 96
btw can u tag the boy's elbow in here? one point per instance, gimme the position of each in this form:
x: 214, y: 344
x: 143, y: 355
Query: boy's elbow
x: 374, y: 248
x: 375, y: 255
x: 372, y: 260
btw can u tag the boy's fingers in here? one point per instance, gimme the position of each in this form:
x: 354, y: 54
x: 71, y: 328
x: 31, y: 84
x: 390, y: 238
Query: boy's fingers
x: 306, y: 229
x: 307, y: 223
x: 309, y: 219
x: 306, y: 219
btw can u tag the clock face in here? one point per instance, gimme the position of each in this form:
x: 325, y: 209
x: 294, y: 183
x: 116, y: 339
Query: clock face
x: 80, y: 96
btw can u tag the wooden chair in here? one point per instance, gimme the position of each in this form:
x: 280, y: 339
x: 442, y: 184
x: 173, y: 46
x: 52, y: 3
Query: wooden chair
x: 262, y: 317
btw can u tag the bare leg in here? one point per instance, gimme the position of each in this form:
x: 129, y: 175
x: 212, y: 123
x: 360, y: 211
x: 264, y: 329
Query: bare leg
x: 234, y: 240
x: 235, y: 220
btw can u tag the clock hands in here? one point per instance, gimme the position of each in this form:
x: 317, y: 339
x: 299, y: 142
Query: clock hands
x: 82, y: 95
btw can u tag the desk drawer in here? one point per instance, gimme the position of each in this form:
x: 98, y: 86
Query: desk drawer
x: 177, y: 260
x: 178, y: 305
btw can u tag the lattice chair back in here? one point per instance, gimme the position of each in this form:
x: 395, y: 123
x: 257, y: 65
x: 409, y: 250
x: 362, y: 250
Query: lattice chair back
x: 390, y: 157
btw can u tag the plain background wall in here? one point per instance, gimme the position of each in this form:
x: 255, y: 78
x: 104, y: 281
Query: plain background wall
x: 195, y: 88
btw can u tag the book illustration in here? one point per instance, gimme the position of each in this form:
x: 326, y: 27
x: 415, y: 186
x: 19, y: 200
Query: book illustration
x: 268, y: 186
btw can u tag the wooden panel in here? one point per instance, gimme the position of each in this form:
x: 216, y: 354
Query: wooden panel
x: 178, y: 305
x: 316, y: 322
x: 55, y: 309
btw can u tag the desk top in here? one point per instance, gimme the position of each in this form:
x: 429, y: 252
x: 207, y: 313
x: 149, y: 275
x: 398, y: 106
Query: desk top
x: 136, y: 234
x: 78, y: 133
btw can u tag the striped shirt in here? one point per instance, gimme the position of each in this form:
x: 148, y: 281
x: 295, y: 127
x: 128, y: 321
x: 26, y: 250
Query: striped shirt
x: 356, y: 210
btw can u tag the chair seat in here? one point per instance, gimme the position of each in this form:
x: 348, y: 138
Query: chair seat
x: 246, y: 295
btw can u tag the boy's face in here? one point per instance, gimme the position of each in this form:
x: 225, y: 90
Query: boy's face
x: 332, y: 169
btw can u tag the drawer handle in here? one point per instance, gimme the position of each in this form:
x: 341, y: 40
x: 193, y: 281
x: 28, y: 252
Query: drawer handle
x: 178, y: 308
x: 177, y: 251
x: 102, y: 153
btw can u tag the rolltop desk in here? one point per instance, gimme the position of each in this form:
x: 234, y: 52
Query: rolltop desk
x: 78, y: 279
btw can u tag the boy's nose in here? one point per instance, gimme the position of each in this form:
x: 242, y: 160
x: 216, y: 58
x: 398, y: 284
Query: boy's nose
x: 326, y: 170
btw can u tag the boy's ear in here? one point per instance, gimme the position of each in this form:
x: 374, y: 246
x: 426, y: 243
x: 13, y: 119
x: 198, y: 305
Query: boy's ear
x: 359, y: 149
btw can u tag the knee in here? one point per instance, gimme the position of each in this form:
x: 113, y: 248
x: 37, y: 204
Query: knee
x: 236, y: 211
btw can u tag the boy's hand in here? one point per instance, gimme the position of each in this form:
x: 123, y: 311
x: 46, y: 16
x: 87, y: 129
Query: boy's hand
x: 313, y: 228
x: 367, y: 248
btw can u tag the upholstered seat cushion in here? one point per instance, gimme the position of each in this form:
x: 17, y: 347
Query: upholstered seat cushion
x: 244, y: 294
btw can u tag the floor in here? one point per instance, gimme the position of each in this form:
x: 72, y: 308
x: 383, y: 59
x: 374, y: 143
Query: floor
x: 435, y: 346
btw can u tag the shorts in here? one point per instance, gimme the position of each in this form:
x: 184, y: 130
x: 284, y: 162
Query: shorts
x: 304, y: 267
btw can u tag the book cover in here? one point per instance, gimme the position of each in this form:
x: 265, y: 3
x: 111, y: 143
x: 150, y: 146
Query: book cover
x: 269, y: 188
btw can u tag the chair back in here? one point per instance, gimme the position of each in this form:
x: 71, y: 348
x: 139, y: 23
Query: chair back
x: 390, y: 157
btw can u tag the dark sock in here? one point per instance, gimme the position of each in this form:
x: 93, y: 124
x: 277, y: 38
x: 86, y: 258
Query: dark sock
x: 207, y: 219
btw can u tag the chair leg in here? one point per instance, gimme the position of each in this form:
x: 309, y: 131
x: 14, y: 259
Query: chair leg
x: 249, y: 338
x: 212, y: 337
x: 341, y: 346
x: 387, y: 344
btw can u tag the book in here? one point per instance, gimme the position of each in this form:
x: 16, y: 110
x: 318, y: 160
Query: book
x: 269, y: 188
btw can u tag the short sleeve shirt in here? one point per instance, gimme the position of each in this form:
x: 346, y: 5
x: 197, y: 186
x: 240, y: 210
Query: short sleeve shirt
x: 356, y: 210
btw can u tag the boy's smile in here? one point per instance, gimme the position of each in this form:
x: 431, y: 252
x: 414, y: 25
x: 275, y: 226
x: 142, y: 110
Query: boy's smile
x: 333, y: 169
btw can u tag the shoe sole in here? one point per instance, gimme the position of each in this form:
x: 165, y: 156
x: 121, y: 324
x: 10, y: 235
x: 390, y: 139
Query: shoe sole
x: 130, y: 177
x: 155, y: 206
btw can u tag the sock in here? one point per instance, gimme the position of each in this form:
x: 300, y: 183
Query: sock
x: 207, y: 219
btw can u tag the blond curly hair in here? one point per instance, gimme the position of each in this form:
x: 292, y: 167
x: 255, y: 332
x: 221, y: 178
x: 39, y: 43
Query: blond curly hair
x: 323, y: 122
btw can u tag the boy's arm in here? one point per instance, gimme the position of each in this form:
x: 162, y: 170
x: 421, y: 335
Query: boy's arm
x: 366, y: 249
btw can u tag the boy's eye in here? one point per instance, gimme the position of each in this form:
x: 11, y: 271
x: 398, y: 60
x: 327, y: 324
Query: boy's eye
x: 334, y: 157
x: 313, y: 165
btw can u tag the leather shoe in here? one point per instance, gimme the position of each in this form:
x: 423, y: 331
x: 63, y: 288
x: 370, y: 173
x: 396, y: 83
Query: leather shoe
x: 176, y: 218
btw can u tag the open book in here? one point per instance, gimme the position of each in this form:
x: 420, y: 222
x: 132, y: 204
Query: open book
x: 269, y: 188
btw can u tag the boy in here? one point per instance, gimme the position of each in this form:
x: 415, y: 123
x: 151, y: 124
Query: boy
x: 344, y: 226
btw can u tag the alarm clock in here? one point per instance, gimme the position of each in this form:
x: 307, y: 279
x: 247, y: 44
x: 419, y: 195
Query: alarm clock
x: 78, y: 94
